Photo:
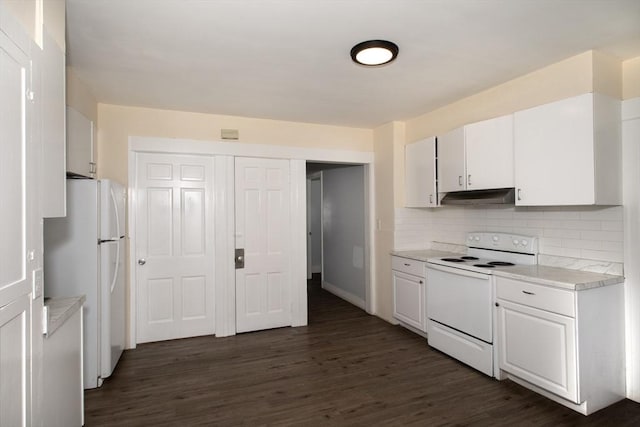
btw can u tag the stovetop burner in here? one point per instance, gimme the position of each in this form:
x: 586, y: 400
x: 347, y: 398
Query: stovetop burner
x: 490, y: 252
x: 500, y: 263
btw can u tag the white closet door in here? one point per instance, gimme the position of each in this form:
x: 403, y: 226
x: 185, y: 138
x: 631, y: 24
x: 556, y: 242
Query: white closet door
x: 263, y: 212
x: 174, y: 246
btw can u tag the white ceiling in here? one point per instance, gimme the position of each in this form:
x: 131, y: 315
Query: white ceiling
x: 289, y: 59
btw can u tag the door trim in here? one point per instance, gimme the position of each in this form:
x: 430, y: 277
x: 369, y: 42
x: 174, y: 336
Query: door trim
x: 224, y: 217
x: 317, y: 176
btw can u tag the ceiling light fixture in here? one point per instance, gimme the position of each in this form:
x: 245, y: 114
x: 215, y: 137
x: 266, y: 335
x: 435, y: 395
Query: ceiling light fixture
x: 374, y: 52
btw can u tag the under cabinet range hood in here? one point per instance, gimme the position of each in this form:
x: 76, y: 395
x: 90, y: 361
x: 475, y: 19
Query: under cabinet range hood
x: 497, y: 196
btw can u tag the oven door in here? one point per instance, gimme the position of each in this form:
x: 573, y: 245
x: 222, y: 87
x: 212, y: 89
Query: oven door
x: 461, y: 300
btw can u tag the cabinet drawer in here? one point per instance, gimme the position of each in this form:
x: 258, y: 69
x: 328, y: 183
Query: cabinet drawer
x: 543, y: 297
x: 406, y: 265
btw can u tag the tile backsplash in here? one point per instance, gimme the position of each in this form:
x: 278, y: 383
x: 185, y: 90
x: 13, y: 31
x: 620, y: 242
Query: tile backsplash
x: 581, y: 237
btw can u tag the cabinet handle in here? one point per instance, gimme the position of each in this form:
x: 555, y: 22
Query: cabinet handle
x: 460, y: 180
x: 407, y: 265
x: 519, y: 198
x: 421, y: 282
x: 497, y: 305
x: 468, y: 179
x: 430, y: 199
x: 528, y: 293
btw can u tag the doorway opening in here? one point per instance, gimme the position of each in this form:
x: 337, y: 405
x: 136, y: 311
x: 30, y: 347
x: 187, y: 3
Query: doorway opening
x: 337, y: 224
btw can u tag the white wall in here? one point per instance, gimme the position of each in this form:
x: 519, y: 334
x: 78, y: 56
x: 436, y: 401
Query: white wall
x: 315, y: 207
x: 344, y: 233
x: 590, y: 237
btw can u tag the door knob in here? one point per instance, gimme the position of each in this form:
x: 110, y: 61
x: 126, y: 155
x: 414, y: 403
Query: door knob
x: 239, y: 258
x: 142, y: 261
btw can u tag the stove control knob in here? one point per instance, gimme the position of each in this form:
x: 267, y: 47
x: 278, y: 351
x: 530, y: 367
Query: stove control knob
x: 495, y: 238
x: 477, y: 238
x: 524, y: 243
x: 515, y: 241
x: 470, y: 237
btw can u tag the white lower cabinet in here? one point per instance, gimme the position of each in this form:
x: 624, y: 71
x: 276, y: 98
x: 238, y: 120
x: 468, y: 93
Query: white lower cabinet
x: 62, y: 376
x: 567, y: 345
x: 540, y: 347
x: 409, y: 304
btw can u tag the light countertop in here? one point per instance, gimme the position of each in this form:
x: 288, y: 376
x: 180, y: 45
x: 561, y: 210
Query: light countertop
x: 563, y: 278
x: 59, y: 310
x: 423, y: 254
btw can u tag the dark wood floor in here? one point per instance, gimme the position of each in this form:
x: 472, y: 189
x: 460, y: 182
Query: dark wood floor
x: 345, y: 368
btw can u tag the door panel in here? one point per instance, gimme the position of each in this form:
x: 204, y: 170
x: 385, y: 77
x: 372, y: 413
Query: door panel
x: 263, y: 297
x: 14, y: 225
x: 174, y: 246
x: 15, y: 326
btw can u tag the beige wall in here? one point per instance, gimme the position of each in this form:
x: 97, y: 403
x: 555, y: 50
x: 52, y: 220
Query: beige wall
x: 116, y: 123
x: 607, y: 75
x: 54, y: 20
x: 631, y: 78
x: 386, y: 140
x: 79, y: 97
x: 563, y: 79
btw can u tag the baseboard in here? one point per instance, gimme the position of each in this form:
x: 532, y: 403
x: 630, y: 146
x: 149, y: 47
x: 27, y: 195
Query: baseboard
x: 347, y: 296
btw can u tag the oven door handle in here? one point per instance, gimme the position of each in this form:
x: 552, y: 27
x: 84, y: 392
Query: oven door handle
x: 456, y: 271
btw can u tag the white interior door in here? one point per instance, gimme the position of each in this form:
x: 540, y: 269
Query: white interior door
x: 174, y: 246
x: 263, y: 294
x: 18, y: 216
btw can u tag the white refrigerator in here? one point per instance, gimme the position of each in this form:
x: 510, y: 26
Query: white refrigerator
x: 84, y: 255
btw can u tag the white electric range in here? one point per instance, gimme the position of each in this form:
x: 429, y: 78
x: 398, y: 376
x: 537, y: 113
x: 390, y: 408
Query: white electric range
x: 461, y: 295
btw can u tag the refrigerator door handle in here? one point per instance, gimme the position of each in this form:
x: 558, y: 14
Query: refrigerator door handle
x: 115, y: 271
x: 115, y: 209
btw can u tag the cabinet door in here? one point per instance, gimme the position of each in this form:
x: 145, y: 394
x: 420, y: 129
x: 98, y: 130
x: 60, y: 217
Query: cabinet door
x: 80, y: 145
x: 409, y: 300
x: 451, y: 168
x: 53, y: 179
x: 539, y: 347
x: 554, y: 153
x: 420, y: 174
x: 62, y: 374
x: 15, y: 358
x: 489, y: 153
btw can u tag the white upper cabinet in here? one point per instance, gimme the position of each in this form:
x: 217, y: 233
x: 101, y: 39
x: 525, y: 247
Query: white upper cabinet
x: 477, y: 156
x: 489, y: 153
x: 80, y: 144
x: 451, y: 168
x: 53, y: 178
x: 420, y: 174
x: 569, y: 152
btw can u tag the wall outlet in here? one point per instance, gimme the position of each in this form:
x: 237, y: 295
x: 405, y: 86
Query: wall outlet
x: 37, y: 283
